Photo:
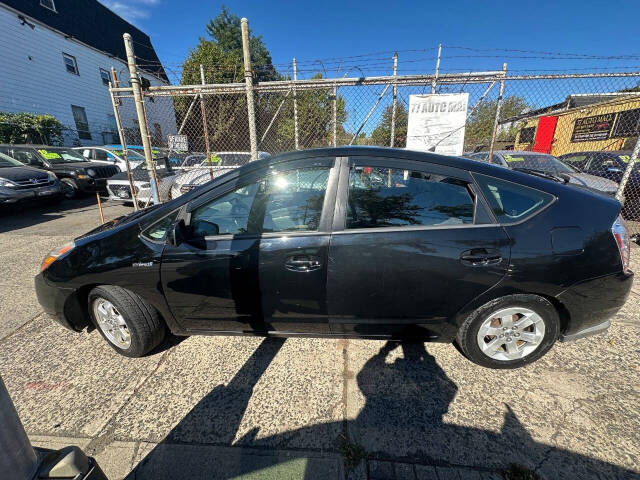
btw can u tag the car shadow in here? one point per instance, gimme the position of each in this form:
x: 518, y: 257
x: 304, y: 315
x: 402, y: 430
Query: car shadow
x: 402, y: 420
x: 25, y: 215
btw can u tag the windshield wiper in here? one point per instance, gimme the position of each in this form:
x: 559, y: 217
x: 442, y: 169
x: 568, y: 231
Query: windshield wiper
x: 557, y: 177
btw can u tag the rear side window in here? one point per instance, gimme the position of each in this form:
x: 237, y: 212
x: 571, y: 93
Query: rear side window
x: 393, y: 197
x: 512, y: 202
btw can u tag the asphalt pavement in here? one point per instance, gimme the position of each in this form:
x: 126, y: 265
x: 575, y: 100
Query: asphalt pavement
x: 235, y: 407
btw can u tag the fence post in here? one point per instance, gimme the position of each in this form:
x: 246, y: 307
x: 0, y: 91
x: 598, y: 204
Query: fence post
x: 204, y: 124
x: 142, y: 118
x: 435, y: 77
x: 123, y: 139
x: 627, y: 171
x: 394, y: 103
x: 248, y: 78
x: 295, y: 104
x: 334, y: 120
x: 494, y: 134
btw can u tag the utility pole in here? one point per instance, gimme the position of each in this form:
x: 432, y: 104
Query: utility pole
x: 142, y: 119
x: 395, y: 101
x: 248, y: 78
x: 204, y: 124
x: 295, y: 105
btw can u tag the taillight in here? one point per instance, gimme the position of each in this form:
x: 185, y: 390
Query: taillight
x: 621, y: 234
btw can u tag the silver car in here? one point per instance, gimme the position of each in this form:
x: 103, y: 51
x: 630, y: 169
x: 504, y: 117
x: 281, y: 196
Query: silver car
x: 544, y: 164
x: 197, y: 170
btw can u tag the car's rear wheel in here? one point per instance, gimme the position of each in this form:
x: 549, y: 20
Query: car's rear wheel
x: 509, y: 332
x: 129, y: 324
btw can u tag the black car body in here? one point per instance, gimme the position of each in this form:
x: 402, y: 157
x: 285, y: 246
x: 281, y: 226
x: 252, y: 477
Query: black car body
x: 19, y: 183
x: 611, y: 165
x: 354, y: 242
x: 72, y: 169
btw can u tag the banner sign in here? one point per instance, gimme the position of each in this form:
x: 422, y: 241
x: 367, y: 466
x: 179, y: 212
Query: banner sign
x: 178, y: 143
x: 597, y: 127
x: 436, y: 122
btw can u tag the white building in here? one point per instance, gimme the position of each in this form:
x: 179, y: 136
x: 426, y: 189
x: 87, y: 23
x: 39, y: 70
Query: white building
x: 56, y: 58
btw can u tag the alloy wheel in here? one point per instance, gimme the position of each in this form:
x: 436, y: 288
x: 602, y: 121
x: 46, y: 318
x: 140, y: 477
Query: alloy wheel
x: 112, y: 323
x: 511, y: 333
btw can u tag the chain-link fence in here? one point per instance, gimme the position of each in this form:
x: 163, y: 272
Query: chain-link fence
x: 576, y: 128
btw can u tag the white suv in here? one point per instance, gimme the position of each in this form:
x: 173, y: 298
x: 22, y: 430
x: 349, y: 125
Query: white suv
x: 111, y: 155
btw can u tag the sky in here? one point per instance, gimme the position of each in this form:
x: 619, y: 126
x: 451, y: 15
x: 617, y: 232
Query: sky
x: 357, y: 31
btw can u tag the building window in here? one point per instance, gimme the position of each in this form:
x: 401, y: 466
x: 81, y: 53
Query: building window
x: 48, y: 4
x: 82, y: 124
x: 70, y: 63
x: 106, y: 78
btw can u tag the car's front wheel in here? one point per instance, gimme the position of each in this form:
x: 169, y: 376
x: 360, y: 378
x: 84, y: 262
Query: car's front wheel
x: 129, y: 324
x: 509, y: 332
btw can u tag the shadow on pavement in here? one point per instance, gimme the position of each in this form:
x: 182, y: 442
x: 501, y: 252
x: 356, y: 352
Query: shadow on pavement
x: 25, y: 215
x: 402, y: 420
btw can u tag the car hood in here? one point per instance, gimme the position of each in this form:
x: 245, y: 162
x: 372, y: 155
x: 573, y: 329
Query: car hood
x: 592, y: 182
x: 20, y: 174
x: 74, y: 166
x: 118, y: 222
x: 140, y: 175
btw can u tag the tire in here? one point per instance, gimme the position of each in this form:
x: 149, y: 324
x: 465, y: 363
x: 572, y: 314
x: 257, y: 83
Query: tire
x: 542, y: 332
x: 69, y: 188
x: 142, y: 322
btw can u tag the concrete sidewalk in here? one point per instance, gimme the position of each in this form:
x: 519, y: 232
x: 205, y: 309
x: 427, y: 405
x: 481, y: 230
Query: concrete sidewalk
x: 229, y: 407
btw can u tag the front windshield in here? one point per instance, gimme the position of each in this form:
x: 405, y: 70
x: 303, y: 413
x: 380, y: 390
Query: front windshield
x: 133, y: 155
x: 537, y: 161
x: 6, y: 161
x: 61, y: 155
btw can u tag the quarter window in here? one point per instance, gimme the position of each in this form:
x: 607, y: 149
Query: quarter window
x: 158, y: 231
x: 70, y: 63
x: 391, y: 197
x: 288, y: 201
x: 512, y: 202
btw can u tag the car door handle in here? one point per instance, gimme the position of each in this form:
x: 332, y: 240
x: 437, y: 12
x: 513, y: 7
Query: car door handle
x: 302, y: 263
x: 480, y: 257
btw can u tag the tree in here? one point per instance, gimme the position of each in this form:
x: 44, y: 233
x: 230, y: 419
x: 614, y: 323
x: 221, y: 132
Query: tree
x: 381, y: 135
x: 26, y: 127
x: 227, y: 119
x: 479, y: 126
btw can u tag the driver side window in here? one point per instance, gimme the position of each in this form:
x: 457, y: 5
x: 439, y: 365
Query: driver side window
x: 279, y: 202
x: 226, y: 215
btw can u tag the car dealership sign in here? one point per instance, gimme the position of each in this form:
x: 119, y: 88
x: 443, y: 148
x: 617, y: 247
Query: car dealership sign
x: 436, y: 122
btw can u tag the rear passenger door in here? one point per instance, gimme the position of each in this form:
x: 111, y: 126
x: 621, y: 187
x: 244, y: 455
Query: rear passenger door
x: 412, y: 244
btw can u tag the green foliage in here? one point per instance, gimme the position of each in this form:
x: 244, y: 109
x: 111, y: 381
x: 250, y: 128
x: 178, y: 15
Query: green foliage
x: 227, y: 119
x: 381, y: 135
x: 26, y: 127
x: 315, y: 120
x: 479, y: 126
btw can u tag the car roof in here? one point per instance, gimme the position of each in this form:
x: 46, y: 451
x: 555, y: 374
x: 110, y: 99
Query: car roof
x: 30, y: 145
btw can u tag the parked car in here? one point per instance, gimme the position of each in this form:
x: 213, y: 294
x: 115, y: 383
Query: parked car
x: 19, y: 183
x: 118, y: 186
x: 198, y: 170
x: 112, y: 155
x: 354, y: 242
x: 542, y: 163
x: 76, y: 174
x: 611, y: 165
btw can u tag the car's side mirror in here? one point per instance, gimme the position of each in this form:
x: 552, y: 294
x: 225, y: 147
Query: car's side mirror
x: 178, y: 234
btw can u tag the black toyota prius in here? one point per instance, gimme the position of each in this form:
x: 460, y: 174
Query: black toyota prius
x: 354, y: 242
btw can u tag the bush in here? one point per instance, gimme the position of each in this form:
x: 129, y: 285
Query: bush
x: 26, y: 127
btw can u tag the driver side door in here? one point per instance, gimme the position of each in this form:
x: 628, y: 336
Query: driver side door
x: 255, y: 260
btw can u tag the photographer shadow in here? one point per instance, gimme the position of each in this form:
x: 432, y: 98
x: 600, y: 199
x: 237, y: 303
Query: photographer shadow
x: 407, y: 395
